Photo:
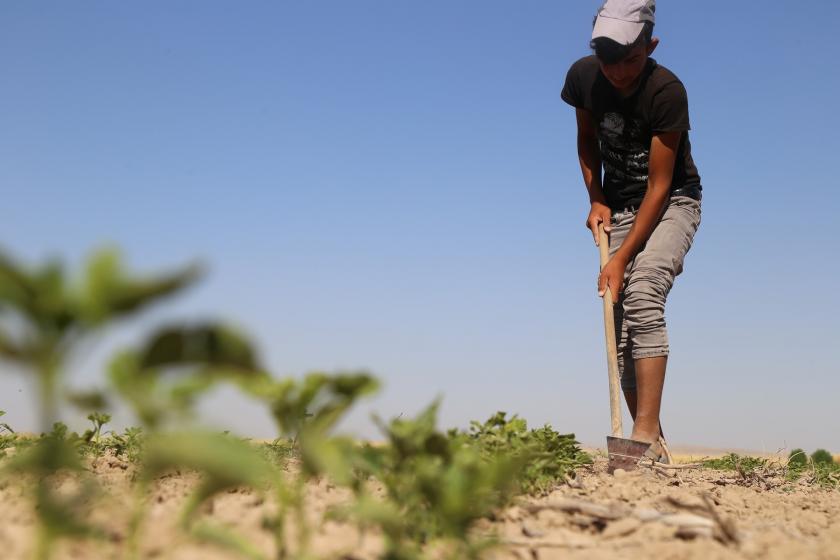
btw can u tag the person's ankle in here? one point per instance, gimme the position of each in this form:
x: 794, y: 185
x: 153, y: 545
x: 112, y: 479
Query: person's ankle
x: 648, y: 436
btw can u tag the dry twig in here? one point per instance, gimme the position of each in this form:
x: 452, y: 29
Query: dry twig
x: 725, y: 530
x: 599, y: 511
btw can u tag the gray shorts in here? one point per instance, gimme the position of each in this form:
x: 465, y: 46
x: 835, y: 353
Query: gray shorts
x: 640, y: 311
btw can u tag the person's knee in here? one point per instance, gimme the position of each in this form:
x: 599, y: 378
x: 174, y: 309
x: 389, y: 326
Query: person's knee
x: 644, y: 303
x: 644, y: 312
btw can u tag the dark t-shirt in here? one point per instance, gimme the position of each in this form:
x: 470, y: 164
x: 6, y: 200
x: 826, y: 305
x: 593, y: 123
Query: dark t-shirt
x: 625, y: 126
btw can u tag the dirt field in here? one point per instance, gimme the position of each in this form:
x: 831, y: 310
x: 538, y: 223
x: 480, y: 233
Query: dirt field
x: 661, y: 514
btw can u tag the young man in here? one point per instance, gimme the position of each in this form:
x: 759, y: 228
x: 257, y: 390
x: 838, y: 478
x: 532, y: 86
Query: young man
x: 632, y: 118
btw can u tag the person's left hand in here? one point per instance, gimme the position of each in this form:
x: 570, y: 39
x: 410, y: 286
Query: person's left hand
x: 613, y: 276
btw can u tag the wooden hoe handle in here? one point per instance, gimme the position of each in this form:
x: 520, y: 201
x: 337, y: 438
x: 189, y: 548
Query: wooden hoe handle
x: 609, y: 335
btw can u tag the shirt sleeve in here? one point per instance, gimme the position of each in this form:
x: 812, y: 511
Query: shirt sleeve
x: 669, y: 110
x: 573, y: 88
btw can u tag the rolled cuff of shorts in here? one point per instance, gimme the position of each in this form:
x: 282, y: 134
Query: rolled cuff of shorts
x: 639, y: 353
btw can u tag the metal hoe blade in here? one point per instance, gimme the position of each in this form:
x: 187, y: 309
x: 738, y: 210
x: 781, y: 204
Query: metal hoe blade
x: 624, y: 453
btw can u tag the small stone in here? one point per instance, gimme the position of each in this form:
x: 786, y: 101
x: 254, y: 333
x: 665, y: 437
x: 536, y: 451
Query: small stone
x: 619, y: 473
x: 530, y: 531
x: 646, y: 514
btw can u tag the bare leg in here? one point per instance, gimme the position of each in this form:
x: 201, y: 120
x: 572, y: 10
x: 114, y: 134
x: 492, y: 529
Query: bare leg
x: 630, y: 398
x: 650, y: 378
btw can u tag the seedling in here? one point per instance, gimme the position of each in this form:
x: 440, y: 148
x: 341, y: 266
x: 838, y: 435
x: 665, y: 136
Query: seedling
x: 99, y: 419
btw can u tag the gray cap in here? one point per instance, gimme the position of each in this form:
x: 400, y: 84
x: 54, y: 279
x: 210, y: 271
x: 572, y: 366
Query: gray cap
x: 623, y: 20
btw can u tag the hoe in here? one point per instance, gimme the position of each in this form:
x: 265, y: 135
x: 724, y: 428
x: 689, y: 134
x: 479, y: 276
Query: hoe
x: 622, y: 453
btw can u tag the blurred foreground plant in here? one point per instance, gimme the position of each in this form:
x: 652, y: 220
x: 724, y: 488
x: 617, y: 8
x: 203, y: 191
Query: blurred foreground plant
x: 436, y: 485
x: 222, y: 462
x: 61, y: 514
x: 162, y: 378
x: 45, y: 317
x: 306, y: 411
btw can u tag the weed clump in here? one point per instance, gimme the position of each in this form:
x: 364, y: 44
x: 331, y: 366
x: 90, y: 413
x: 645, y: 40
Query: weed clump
x: 797, y: 459
x: 819, y: 469
x: 822, y: 457
x: 735, y: 462
x: 551, y: 456
x: 439, y: 484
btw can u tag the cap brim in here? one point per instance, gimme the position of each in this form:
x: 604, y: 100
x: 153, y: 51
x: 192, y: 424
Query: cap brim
x: 622, y: 32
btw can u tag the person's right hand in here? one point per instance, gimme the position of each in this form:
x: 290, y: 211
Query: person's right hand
x: 599, y: 214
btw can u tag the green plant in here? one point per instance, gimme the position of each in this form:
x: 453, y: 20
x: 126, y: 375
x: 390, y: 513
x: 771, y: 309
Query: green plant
x: 798, y: 465
x: 819, y: 469
x: 161, y: 380
x: 163, y: 377
x: 305, y: 411
x: 5, y: 427
x: 437, y: 486
x: 822, y: 457
x: 8, y: 437
x: 279, y: 450
x: 552, y: 456
x: 98, y: 419
x: 60, y: 515
x: 128, y: 444
x: 223, y: 462
x: 734, y: 462
x: 797, y: 459
x: 46, y: 316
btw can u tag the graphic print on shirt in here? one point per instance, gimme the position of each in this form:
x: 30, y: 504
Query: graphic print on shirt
x: 623, y: 149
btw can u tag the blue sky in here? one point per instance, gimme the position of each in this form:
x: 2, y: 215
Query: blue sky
x: 394, y: 186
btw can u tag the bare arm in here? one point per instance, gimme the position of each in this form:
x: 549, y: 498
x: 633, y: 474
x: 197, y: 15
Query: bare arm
x: 589, y: 157
x: 663, y: 152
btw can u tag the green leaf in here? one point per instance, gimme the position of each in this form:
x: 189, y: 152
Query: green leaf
x: 318, y: 401
x: 222, y: 461
x: 108, y: 291
x: 38, y: 296
x: 88, y: 400
x: 209, y: 344
x: 228, y: 461
x: 17, y: 289
x: 139, y: 390
x: 227, y: 539
x: 335, y: 457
